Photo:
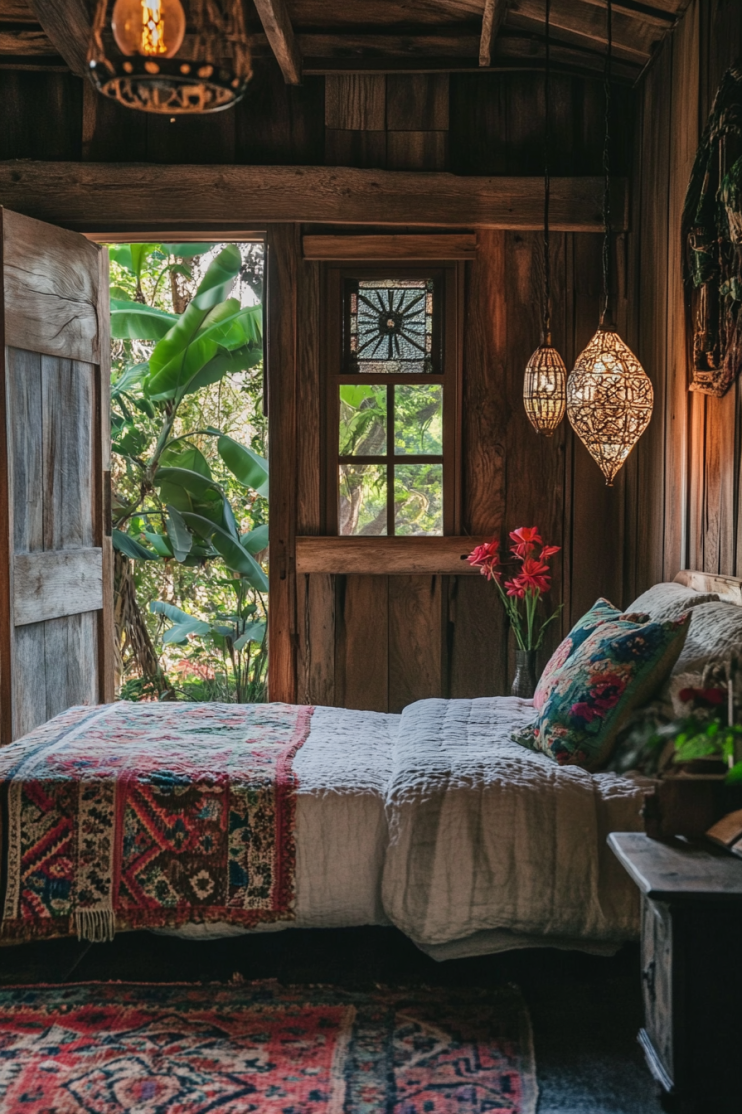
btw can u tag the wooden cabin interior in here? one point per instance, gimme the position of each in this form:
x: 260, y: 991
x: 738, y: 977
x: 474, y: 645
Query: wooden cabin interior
x: 399, y: 142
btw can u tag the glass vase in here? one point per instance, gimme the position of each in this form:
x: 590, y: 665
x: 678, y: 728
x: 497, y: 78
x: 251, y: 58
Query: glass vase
x: 524, y: 682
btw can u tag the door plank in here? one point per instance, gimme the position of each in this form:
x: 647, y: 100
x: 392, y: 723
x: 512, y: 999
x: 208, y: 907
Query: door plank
x: 69, y: 433
x: 71, y: 661
x: 51, y: 289
x: 25, y: 449
x: 60, y: 582
x: 29, y: 679
x: 315, y: 605
x: 362, y: 643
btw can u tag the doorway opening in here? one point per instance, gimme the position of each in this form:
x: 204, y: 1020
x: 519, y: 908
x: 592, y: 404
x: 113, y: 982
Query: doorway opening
x: 189, y: 472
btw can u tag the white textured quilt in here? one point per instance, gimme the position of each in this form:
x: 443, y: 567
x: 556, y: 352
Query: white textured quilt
x: 484, y: 835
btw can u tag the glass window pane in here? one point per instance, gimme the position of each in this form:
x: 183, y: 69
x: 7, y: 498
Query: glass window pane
x: 418, y: 420
x: 362, y: 499
x: 362, y: 420
x: 391, y: 326
x: 418, y: 499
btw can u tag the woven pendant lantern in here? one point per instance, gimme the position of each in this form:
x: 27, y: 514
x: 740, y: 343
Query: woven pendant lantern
x: 544, y: 384
x: 609, y: 394
x: 609, y: 400
x: 544, y: 388
x: 175, y: 57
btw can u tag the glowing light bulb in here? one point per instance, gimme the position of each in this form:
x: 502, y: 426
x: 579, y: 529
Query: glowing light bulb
x: 153, y: 28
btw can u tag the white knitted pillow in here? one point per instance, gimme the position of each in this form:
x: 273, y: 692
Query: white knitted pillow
x: 715, y: 633
x: 669, y: 601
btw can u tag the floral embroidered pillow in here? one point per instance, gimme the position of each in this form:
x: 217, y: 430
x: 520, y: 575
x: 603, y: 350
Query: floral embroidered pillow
x: 617, y: 667
x: 601, y: 610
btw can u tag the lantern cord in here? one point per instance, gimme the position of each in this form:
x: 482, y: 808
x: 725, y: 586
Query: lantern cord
x: 546, y: 329
x: 605, y: 315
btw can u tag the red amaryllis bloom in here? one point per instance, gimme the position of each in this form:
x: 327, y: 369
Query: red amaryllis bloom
x: 515, y: 588
x: 709, y: 697
x: 549, y: 551
x: 526, y: 538
x: 535, y: 575
x: 487, y: 559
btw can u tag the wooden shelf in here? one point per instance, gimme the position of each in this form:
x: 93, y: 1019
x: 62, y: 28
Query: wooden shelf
x: 386, y: 556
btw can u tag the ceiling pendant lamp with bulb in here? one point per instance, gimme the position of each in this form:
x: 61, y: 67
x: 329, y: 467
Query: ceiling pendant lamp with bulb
x: 544, y: 384
x: 174, y: 57
x: 609, y: 394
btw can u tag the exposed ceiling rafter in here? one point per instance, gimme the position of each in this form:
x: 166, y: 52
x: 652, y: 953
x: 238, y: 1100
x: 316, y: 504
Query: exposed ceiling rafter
x: 494, y: 13
x: 280, y: 34
x: 67, y: 24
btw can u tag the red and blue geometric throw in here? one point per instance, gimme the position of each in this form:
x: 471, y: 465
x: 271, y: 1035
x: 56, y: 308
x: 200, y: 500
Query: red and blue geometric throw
x: 114, y: 1049
x: 149, y: 815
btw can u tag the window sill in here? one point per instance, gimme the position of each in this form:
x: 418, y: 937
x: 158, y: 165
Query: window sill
x: 386, y: 556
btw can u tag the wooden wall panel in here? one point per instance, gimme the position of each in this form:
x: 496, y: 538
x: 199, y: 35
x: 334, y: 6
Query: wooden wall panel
x: 686, y: 506
x: 416, y: 644
x: 362, y: 642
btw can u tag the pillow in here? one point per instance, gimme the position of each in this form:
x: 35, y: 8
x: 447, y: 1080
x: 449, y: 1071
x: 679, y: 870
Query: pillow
x: 715, y: 634
x: 618, y: 666
x: 670, y: 601
x: 601, y: 610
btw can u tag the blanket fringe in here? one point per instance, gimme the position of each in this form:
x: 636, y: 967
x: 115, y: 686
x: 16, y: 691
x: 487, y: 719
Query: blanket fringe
x: 95, y: 925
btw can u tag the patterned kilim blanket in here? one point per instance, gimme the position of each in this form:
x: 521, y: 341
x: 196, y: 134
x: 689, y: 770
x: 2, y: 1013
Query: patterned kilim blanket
x: 145, y: 815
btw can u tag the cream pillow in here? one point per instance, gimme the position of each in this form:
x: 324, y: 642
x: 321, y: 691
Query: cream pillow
x: 669, y: 601
x: 715, y: 633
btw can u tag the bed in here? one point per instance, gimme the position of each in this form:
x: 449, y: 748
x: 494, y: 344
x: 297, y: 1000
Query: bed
x: 209, y: 820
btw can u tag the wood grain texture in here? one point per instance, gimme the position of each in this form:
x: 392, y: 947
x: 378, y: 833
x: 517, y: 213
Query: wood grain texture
x: 71, y: 662
x: 51, y: 289
x: 315, y: 655
x: 356, y: 102
x: 417, y: 150
x: 69, y: 424
x: 105, y: 196
x: 416, y: 646
x: 678, y: 871
x: 67, y: 23
x: 386, y: 556
x: 102, y: 524
x: 417, y: 102
x: 25, y: 43
x: 26, y: 433
x: 362, y: 643
x: 728, y: 588
x: 280, y: 34
x: 438, y: 246
x: 284, y: 259
x: 494, y: 14
x: 51, y: 585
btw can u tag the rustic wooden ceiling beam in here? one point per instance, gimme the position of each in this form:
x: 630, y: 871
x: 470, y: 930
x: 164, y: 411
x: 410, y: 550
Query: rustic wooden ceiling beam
x: 139, y: 196
x: 280, y: 34
x: 23, y: 44
x: 663, y: 17
x: 494, y: 13
x: 67, y: 23
x: 585, y: 27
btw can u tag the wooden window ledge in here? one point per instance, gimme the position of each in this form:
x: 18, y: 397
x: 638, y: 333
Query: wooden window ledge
x: 386, y: 556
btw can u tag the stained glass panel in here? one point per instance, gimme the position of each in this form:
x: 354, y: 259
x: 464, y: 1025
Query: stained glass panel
x: 391, y: 326
x: 418, y: 499
x: 418, y: 420
x: 362, y: 499
x: 363, y: 420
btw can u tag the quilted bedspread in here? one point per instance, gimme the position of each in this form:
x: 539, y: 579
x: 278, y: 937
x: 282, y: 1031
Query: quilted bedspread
x: 150, y: 815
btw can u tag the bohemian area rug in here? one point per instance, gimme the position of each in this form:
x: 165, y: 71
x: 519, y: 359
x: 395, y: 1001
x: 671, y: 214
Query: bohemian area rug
x: 110, y: 1048
x: 149, y: 815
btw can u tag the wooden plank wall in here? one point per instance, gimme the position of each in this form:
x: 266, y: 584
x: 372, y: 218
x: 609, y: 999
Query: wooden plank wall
x: 683, y: 480
x: 380, y: 642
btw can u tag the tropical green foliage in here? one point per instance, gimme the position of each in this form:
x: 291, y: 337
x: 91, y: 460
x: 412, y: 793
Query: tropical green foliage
x: 191, y: 478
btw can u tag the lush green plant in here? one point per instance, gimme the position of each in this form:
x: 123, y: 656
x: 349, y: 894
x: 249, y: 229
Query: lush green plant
x: 188, y: 496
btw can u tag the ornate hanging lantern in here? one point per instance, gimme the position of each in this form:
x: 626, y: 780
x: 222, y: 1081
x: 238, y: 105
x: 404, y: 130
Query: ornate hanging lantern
x: 544, y: 384
x: 609, y: 394
x: 544, y: 388
x: 609, y: 400
x: 169, y: 56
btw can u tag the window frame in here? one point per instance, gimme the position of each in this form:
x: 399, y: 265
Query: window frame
x: 450, y: 277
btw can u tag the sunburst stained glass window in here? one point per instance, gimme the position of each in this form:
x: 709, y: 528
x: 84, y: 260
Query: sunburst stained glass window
x: 392, y: 326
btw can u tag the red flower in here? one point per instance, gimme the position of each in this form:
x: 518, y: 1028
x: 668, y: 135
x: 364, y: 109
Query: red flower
x: 534, y: 575
x: 712, y: 697
x: 549, y: 551
x: 514, y: 588
x: 487, y: 559
x: 526, y: 538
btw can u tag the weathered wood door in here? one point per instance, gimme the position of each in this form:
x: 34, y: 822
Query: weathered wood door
x: 56, y: 641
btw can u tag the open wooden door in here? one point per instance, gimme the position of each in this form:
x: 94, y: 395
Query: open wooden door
x: 56, y: 638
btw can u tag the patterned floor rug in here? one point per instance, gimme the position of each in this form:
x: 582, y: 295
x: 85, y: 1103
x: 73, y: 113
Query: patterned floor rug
x: 105, y: 1048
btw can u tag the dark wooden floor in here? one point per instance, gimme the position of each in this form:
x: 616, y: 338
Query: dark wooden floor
x: 585, y: 1010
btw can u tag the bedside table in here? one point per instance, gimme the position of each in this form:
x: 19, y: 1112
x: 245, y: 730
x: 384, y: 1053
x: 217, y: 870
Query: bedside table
x: 691, y: 958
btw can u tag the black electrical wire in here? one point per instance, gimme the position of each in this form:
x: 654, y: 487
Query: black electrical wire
x: 547, y: 180
x: 605, y: 315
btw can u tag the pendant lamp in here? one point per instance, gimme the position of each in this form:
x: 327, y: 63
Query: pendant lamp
x: 609, y: 394
x: 544, y: 384
x: 175, y: 57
